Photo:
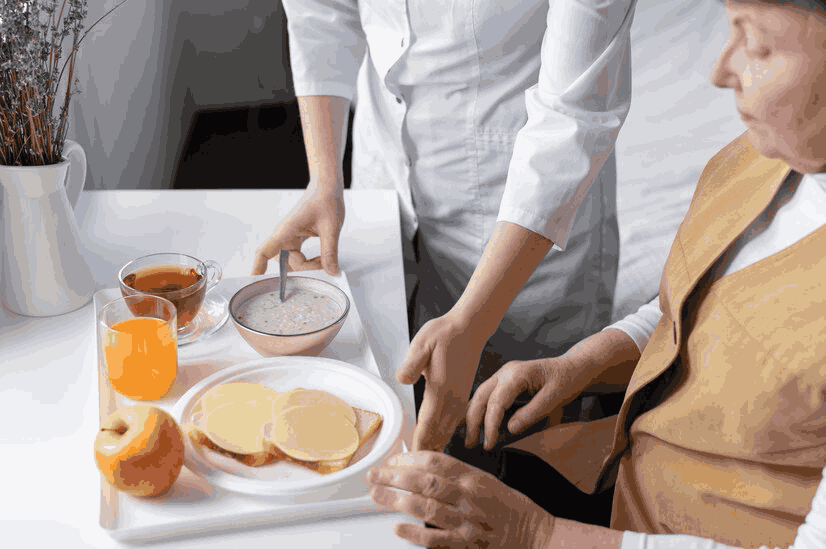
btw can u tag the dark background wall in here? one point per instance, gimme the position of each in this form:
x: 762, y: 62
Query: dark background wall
x: 258, y: 147
x: 191, y: 94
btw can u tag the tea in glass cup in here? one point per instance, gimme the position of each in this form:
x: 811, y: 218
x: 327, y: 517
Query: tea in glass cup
x: 182, y: 279
x: 139, y: 343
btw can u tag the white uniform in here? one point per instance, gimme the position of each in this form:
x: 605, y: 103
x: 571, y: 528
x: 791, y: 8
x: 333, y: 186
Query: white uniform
x: 484, y: 110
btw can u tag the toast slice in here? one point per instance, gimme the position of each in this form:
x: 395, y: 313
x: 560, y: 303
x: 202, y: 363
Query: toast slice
x: 199, y: 438
x: 368, y: 425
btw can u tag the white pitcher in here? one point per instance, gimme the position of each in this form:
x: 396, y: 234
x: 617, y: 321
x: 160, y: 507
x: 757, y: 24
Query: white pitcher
x: 44, y: 271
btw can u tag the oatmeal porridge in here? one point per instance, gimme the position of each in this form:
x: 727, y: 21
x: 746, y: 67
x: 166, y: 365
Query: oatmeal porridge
x: 304, y: 311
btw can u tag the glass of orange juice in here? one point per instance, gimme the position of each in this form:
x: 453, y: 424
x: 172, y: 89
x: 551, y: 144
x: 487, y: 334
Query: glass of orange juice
x: 139, y: 342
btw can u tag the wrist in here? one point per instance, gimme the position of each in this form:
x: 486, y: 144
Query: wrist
x: 327, y: 186
x: 603, y: 362
x: 475, y: 325
x: 544, y: 532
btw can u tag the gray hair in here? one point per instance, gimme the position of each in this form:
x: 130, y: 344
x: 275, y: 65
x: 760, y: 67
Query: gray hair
x: 808, y: 5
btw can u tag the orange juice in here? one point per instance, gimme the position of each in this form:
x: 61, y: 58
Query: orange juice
x: 141, y: 358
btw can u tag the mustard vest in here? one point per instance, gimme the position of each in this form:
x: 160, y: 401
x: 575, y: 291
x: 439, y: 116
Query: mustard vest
x: 722, y: 432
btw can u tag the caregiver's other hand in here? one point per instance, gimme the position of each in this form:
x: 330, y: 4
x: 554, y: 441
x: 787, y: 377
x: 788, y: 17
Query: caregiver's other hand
x: 469, y: 507
x: 446, y: 352
x: 551, y: 382
x: 319, y: 213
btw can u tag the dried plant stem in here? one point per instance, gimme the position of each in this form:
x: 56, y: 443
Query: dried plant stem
x: 33, y: 120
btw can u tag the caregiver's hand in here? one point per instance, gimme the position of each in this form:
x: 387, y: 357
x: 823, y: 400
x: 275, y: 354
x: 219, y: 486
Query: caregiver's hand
x: 552, y: 382
x: 469, y: 507
x: 320, y: 212
x: 447, y: 354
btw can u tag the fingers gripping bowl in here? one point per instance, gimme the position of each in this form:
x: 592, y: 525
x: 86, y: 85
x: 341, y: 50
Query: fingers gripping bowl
x: 304, y: 324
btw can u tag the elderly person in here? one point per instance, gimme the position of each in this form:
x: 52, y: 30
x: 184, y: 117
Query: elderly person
x: 495, y: 122
x: 722, y: 432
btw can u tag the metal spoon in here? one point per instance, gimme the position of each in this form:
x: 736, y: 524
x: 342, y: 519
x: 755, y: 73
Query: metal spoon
x: 282, y: 265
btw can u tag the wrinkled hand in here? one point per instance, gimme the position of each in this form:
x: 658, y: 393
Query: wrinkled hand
x: 551, y: 383
x: 317, y: 214
x: 469, y: 507
x: 447, y: 355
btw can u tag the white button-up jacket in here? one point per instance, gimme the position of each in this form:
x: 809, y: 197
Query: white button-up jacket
x: 484, y: 110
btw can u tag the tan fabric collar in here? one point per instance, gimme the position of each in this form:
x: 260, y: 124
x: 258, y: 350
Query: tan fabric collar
x: 742, y: 184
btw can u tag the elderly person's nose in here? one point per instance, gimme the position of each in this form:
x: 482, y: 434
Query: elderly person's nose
x: 723, y: 75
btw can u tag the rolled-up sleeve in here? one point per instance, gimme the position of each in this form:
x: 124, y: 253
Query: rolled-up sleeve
x: 327, y: 46
x: 575, y: 112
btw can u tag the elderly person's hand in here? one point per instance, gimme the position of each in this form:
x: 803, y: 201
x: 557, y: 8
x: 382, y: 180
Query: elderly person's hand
x: 602, y: 362
x: 319, y: 213
x: 551, y: 382
x: 470, y: 508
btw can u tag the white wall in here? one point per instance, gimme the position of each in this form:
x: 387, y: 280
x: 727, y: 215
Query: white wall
x: 148, y: 67
x: 678, y: 121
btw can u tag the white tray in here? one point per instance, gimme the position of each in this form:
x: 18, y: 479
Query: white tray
x: 193, y: 506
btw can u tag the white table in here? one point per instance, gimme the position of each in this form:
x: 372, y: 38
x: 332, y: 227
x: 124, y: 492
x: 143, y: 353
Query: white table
x: 49, y: 484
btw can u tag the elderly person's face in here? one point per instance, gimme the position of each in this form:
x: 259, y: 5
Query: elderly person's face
x: 775, y: 62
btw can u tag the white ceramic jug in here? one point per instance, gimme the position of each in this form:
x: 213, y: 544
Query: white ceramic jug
x: 44, y: 271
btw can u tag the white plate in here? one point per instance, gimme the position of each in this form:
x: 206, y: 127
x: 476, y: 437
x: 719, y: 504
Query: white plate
x: 357, y: 387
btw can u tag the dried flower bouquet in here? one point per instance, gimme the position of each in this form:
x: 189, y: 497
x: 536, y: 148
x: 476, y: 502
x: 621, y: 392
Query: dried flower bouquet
x: 34, y: 103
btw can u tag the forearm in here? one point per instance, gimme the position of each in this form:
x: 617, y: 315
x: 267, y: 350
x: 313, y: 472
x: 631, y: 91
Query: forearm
x: 507, y: 263
x: 603, y: 362
x: 567, y: 534
x: 324, y: 122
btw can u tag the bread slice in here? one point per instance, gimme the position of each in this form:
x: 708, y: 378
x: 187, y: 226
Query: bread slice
x: 311, y: 433
x: 199, y: 438
x: 368, y: 425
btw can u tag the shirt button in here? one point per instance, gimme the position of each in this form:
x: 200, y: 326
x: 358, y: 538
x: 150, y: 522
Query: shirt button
x: 398, y: 99
x: 402, y: 42
x: 409, y: 161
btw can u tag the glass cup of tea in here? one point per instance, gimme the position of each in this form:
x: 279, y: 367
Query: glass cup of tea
x: 182, y: 279
x: 139, y: 344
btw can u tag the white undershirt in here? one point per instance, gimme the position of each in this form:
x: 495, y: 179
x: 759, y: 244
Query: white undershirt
x: 790, y: 217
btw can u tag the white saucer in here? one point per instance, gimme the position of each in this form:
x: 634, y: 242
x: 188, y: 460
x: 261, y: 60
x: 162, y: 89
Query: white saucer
x: 212, y: 316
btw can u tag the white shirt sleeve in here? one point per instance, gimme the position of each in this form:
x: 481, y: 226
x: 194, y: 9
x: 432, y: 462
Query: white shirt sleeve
x: 641, y: 324
x: 575, y: 112
x: 327, y: 46
x: 635, y: 540
x: 810, y: 535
